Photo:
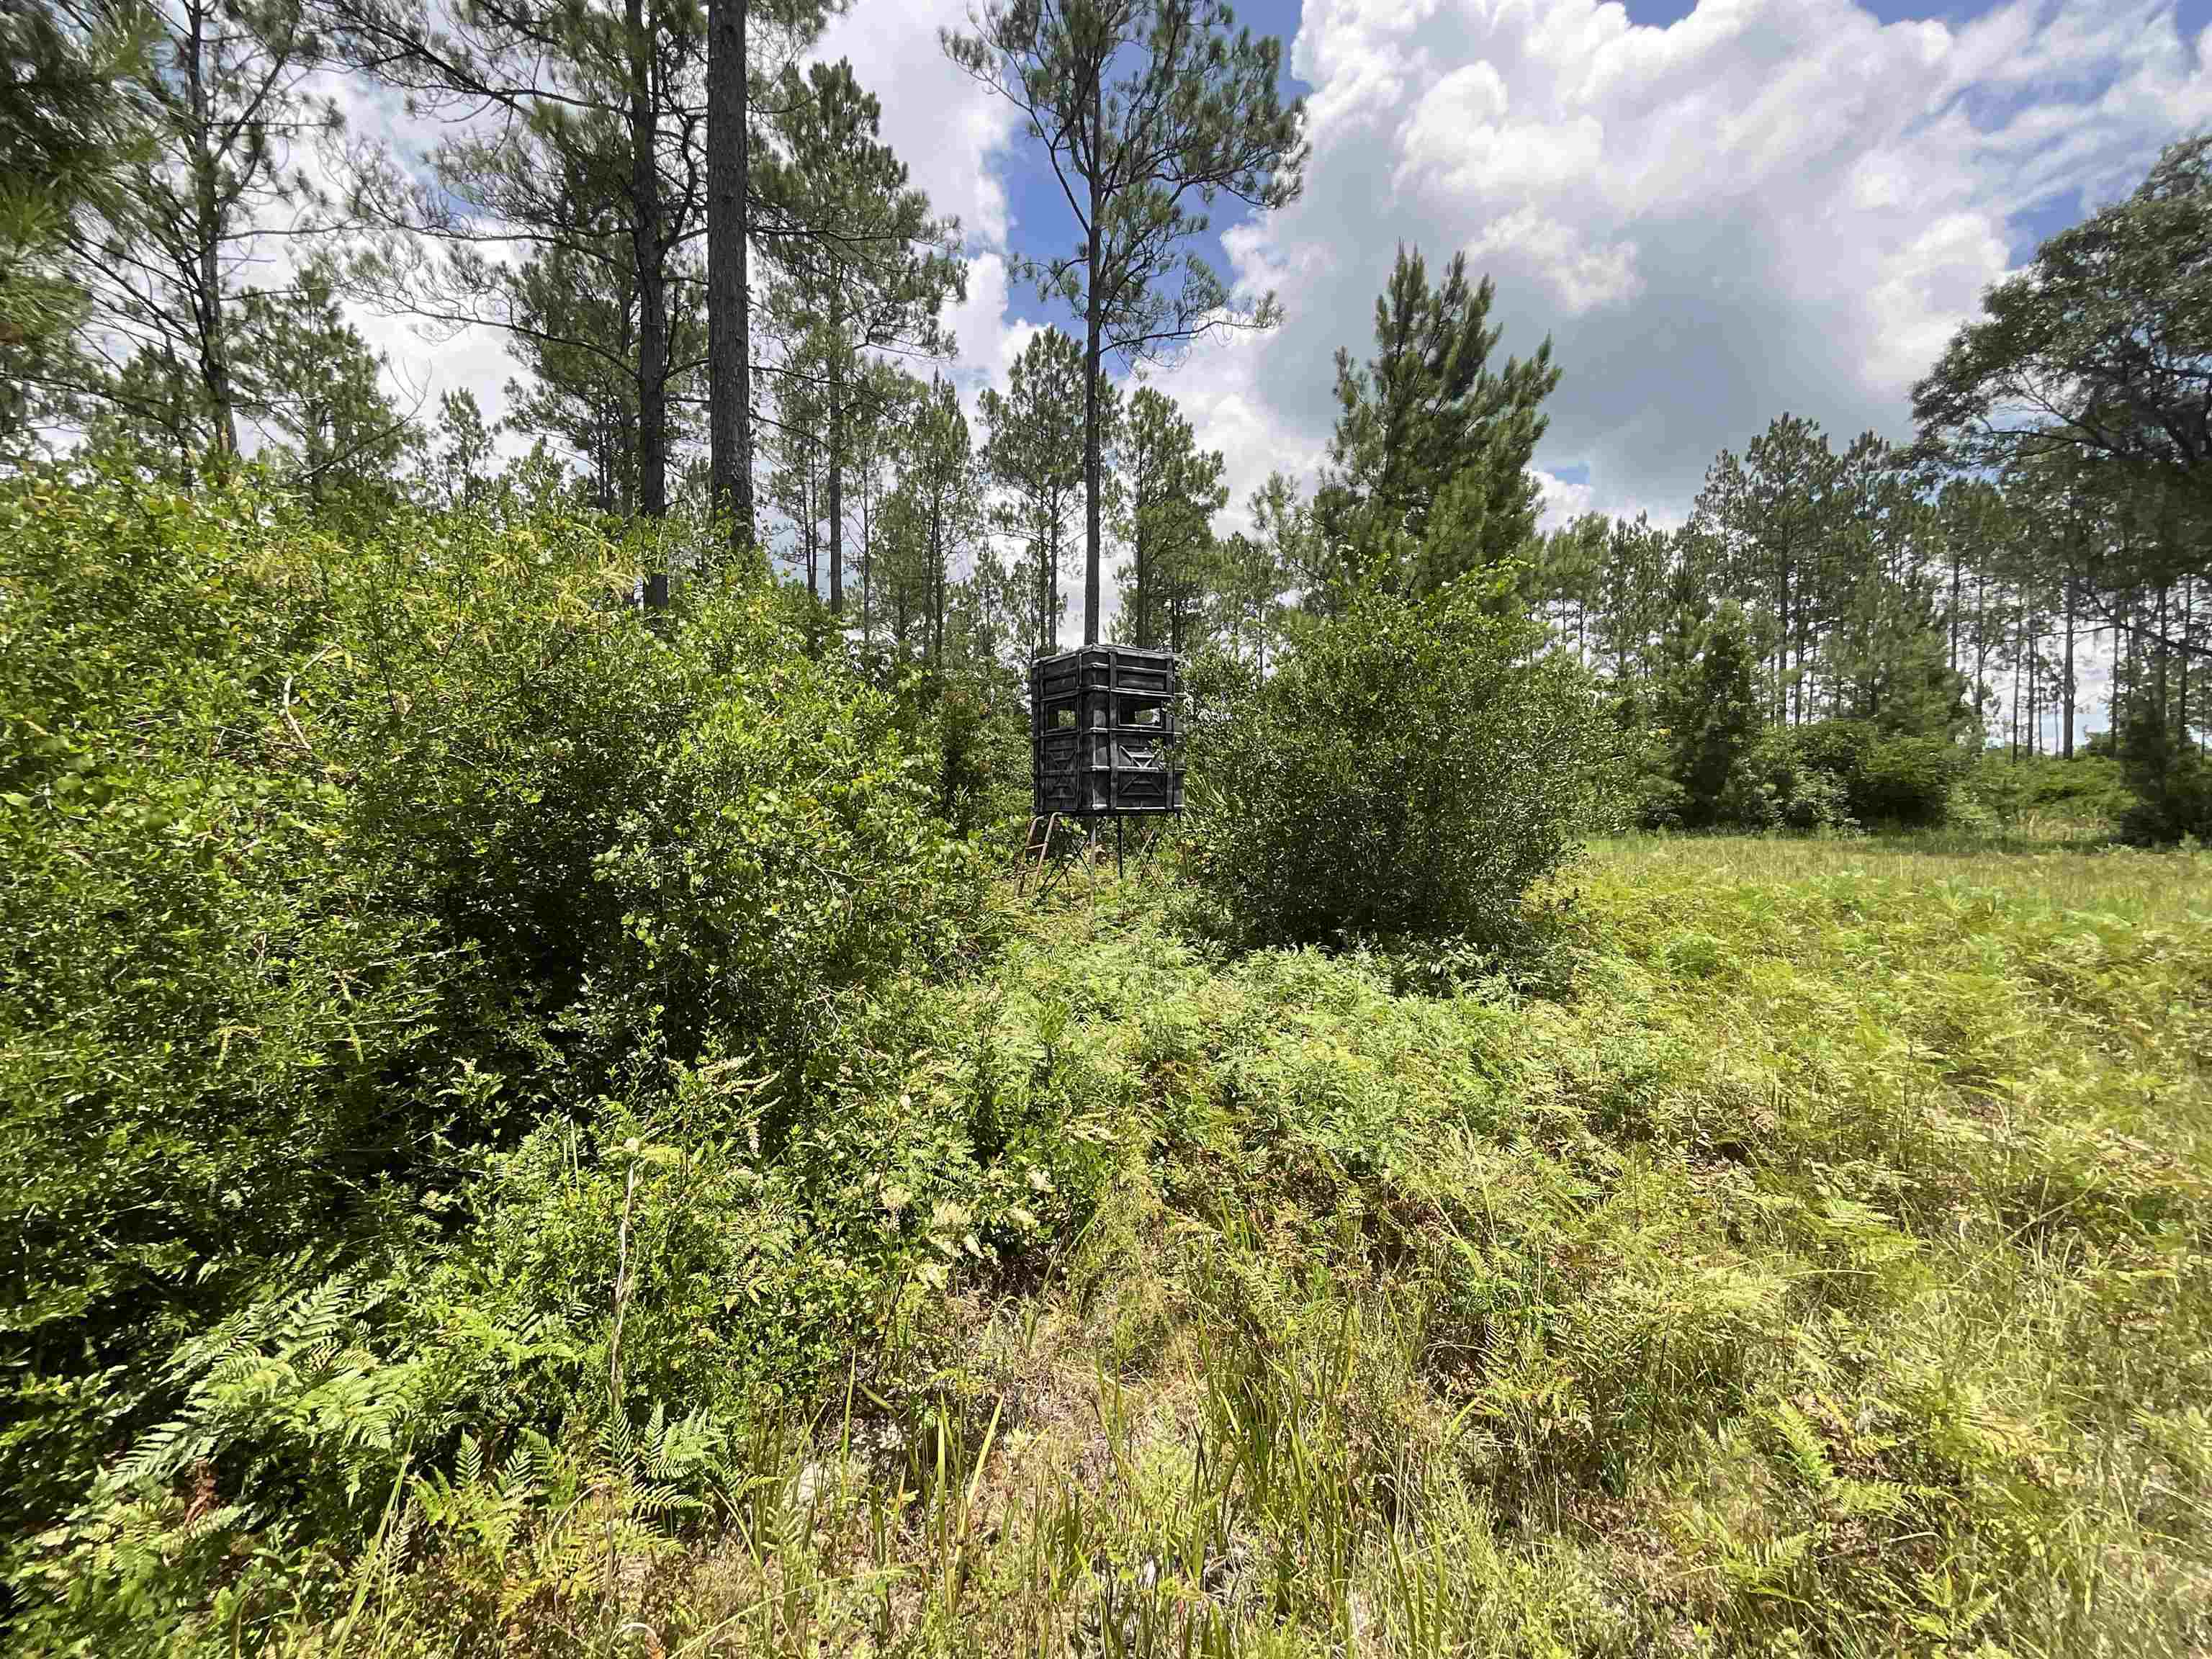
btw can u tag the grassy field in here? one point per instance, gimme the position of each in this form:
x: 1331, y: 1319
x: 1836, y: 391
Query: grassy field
x: 1813, y: 1253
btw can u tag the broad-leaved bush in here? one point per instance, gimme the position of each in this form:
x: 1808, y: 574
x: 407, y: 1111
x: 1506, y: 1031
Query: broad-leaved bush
x: 340, y: 879
x: 1412, y: 768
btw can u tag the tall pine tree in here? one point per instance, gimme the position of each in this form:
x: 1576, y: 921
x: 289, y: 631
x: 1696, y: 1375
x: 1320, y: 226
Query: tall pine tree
x: 1149, y: 111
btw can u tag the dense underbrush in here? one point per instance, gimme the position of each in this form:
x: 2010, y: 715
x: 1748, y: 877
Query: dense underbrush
x: 370, y: 912
x: 529, y: 1130
x: 1824, y: 1270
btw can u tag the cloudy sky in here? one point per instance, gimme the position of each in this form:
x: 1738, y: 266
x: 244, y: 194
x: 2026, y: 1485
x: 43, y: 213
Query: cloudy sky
x: 1718, y: 211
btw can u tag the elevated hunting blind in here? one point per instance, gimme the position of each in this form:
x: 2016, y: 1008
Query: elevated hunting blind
x: 1104, y: 740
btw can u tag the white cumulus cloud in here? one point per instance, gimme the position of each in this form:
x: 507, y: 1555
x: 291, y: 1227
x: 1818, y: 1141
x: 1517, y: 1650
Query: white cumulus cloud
x: 1770, y: 205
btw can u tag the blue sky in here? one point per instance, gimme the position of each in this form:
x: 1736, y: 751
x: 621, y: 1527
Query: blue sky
x: 1042, y: 221
x: 1877, y: 162
x: 1043, y: 225
x: 1716, y: 215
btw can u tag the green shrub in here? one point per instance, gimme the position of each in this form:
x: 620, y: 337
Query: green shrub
x: 1814, y: 800
x: 497, y: 702
x: 326, y: 869
x: 2175, y: 807
x: 973, y: 724
x: 779, y: 850
x: 1708, y: 713
x: 1771, y: 788
x: 1836, y: 747
x: 2171, y: 780
x: 1906, y: 781
x: 1659, y: 802
x: 2088, y: 789
x: 216, y: 1035
x: 1409, y: 770
x: 643, y: 838
x: 1656, y: 798
x: 1885, y: 779
x: 780, y: 1244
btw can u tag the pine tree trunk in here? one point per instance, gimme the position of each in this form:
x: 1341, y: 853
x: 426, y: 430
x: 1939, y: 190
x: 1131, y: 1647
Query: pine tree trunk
x: 1954, y: 605
x: 2034, y: 685
x: 622, y: 462
x: 1787, y: 581
x: 2188, y: 637
x: 867, y: 554
x: 729, y: 326
x: 1048, y: 633
x: 1801, y: 679
x: 1141, y: 630
x: 1048, y: 558
x: 2123, y: 671
x: 652, y: 281
x: 837, y: 492
x: 2066, y: 746
x: 1094, y: 322
x: 937, y: 581
x: 2116, y: 694
x: 2165, y: 707
x: 2013, y: 723
x: 207, y: 236
x: 1981, y: 635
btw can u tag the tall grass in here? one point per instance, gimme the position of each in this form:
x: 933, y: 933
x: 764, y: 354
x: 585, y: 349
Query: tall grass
x: 1821, y: 1260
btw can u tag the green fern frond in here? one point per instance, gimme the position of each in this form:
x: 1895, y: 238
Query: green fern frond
x: 518, y: 1480
x: 617, y: 1442
x: 318, y: 1315
x: 1803, y: 1446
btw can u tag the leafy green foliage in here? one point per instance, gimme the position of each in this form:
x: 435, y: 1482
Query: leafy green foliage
x: 2073, y: 385
x: 2171, y: 778
x: 310, y: 381
x: 1904, y: 780
x: 1899, y: 779
x: 1715, y: 764
x: 972, y: 723
x: 1709, y: 713
x: 213, y: 1032
x: 2093, y: 350
x: 220, y: 105
x: 1409, y: 770
x: 327, y: 867
x: 2084, y: 795
x: 1033, y: 453
x: 1173, y: 490
x: 71, y: 128
x: 779, y: 851
x: 290, y: 1429
x: 1429, y: 463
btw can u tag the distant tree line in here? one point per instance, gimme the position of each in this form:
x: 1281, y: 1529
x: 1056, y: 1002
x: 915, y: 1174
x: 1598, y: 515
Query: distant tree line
x: 193, y: 222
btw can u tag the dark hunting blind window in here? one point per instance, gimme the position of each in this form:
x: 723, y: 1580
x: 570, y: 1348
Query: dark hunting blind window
x: 1104, y: 732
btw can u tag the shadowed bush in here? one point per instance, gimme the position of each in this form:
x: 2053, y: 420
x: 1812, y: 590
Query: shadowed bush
x: 1409, y: 771
x: 323, y: 867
